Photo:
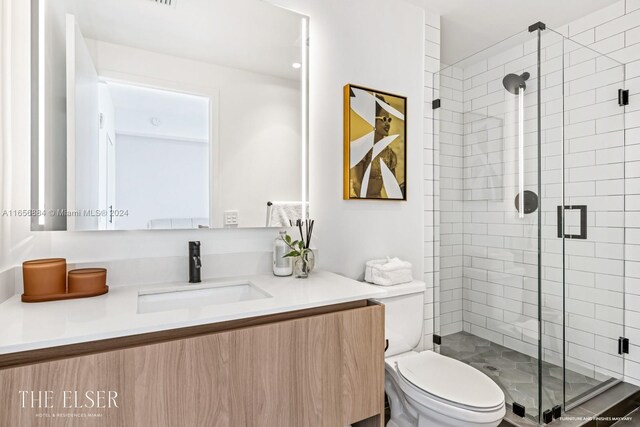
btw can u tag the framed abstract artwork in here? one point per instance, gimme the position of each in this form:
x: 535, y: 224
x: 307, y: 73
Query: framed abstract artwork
x: 375, y: 146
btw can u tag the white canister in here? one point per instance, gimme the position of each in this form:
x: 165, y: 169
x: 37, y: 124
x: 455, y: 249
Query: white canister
x: 281, y: 266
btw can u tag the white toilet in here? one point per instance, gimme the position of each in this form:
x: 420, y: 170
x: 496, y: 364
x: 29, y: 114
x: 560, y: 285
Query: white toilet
x: 426, y: 388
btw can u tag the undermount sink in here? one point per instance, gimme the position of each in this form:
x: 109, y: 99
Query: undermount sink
x: 194, y: 296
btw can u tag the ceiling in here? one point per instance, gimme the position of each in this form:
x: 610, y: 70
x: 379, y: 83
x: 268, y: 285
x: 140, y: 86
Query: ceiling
x: 148, y: 111
x: 468, y: 26
x: 255, y: 35
x: 156, y: 101
x: 247, y: 34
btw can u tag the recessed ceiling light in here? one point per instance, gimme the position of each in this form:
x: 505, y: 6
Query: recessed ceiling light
x: 296, y: 65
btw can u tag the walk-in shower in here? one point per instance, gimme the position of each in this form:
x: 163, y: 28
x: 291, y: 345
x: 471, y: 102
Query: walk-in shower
x: 530, y: 153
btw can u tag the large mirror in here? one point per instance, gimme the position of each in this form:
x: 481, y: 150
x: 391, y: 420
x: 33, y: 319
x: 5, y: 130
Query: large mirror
x: 168, y: 114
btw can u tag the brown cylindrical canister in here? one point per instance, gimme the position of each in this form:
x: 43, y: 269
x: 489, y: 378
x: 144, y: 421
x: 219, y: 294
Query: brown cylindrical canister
x: 84, y: 280
x: 44, y: 276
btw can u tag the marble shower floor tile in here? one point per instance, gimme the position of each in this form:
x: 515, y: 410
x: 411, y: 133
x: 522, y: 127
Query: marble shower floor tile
x: 515, y: 372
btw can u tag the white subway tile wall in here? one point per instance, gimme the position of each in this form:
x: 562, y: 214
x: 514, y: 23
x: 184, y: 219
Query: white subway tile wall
x: 611, y: 270
x: 431, y: 177
x: 451, y: 121
x: 488, y: 274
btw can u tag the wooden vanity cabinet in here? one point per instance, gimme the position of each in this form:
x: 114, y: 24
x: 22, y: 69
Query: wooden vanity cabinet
x: 312, y: 370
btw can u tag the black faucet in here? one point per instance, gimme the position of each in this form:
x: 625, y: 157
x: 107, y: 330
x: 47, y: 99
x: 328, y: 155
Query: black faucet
x: 195, y: 264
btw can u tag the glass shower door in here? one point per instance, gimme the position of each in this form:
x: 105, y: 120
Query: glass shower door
x: 487, y: 292
x: 582, y: 203
x: 593, y: 215
x: 551, y: 294
x: 580, y: 155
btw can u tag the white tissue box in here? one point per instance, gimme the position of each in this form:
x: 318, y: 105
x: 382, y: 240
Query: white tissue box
x: 387, y: 272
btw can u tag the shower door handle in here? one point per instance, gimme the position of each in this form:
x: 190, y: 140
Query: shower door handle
x: 583, y: 222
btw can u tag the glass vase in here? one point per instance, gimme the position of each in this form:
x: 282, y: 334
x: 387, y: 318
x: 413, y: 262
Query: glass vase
x: 303, y: 265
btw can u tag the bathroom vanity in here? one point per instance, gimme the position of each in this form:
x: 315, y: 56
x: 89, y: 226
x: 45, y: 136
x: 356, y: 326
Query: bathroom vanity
x: 309, y: 353
x: 222, y: 129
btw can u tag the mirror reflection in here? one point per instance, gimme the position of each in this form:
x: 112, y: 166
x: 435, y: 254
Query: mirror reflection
x: 168, y: 114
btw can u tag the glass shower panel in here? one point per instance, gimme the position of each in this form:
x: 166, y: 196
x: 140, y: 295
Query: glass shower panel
x: 594, y: 220
x: 487, y: 292
x: 552, y: 385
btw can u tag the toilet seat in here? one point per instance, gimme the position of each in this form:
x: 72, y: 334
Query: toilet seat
x: 450, y: 381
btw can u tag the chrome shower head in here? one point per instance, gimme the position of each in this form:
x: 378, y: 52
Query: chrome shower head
x: 513, y: 82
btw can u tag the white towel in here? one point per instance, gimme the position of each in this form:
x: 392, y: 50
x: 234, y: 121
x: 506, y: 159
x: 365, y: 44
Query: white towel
x: 388, y: 272
x: 283, y: 212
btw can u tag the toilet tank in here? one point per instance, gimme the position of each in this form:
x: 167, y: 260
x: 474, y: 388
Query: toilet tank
x: 403, y: 316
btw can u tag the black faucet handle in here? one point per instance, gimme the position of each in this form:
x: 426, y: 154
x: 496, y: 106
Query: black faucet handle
x: 195, y: 262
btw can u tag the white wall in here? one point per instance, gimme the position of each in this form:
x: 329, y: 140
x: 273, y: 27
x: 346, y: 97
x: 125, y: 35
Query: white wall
x: 259, y: 152
x: 346, y: 43
x: 377, y: 44
x: 83, y: 125
x: 451, y: 153
x: 431, y: 176
x: 160, y: 179
x: 161, y: 172
x: 181, y: 117
x: 616, y: 31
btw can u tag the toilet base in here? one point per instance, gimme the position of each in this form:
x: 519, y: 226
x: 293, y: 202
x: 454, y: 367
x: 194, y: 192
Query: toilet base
x: 406, y: 412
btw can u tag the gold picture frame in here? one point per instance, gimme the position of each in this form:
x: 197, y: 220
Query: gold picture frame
x: 375, y: 146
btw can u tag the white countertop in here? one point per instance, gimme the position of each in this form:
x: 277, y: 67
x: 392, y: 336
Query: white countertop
x: 30, y: 326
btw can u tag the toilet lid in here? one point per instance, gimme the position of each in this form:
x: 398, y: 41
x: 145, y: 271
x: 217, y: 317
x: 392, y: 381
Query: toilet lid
x: 451, y: 380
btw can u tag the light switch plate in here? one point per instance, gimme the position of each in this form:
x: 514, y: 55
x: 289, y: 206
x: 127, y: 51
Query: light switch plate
x: 230, y: 219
